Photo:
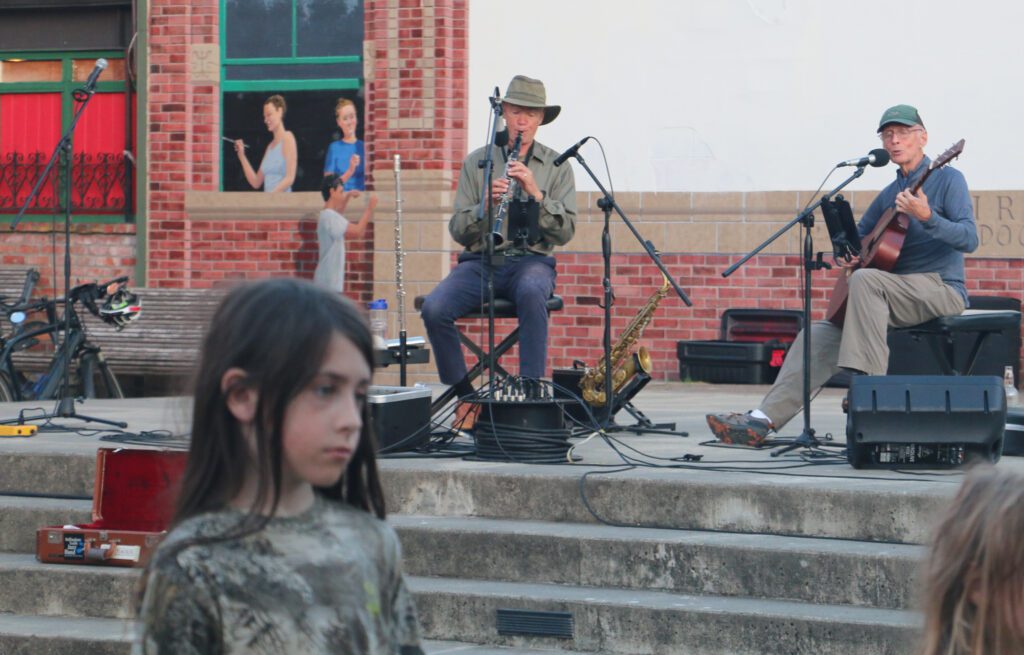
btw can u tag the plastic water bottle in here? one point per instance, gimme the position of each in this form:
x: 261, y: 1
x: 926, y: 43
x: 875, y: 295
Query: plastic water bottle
x: 379, y: 321
x: 1012, y: 397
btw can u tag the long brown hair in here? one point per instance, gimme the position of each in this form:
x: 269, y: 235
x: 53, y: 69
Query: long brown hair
x: 974, y: 575
x: 277, y: 331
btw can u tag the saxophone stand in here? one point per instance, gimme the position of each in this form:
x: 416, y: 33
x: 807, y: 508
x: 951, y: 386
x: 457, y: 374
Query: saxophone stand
x: 621, y: 400
x: 806, y: 439
x: 66, y: 403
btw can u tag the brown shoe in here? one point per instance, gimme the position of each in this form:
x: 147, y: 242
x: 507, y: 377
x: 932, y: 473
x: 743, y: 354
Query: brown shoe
x: 465, y: 416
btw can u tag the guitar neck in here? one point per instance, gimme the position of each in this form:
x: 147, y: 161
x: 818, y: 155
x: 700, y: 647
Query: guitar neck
x: 924, y: 176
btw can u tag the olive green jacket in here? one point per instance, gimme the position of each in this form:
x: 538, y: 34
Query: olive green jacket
x: 557, y: 208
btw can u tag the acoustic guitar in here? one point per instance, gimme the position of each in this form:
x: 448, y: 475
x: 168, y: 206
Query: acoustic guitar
x: 881, y: 248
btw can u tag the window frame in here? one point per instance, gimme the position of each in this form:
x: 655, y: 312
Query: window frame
x: 66, y: 87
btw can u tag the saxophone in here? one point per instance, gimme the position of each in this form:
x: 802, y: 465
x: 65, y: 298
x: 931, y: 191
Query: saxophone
x: 624, y: 364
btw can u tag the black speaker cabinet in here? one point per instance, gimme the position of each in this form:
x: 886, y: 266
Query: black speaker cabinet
x: 932, y: 421
x: 567, y: 388
x: 1013, y: 441
x: 400, y: 416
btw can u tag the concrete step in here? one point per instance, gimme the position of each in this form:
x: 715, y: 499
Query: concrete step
x: 65, y: 590
x: 47, y: 635
x: 21, y: 516
x: 694, y: 562
x: 862, y: 508
x: 60, y: 635
x: 48, y: 473
x: 633, y: 622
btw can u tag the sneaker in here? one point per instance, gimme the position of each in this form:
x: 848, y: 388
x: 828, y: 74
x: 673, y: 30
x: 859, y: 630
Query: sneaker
x: 739, y: 428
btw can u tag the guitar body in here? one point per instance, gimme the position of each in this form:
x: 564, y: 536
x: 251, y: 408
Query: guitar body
x: 881, y: 248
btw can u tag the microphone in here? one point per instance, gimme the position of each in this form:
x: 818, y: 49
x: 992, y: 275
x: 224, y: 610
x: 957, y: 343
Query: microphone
x: 571, y: 152
x: 877, y: 157
x: 90, y: 84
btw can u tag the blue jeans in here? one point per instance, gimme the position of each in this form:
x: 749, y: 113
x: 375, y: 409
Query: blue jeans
x: 527, y: 281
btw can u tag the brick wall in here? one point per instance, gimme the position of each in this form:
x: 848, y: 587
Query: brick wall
x: 98, y: 252
x: 769, y: 281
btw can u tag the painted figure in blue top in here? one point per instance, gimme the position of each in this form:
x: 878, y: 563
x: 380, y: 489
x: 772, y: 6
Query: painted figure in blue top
x: 280, y: 161
x: 346, y: 157
x: 927, y: 281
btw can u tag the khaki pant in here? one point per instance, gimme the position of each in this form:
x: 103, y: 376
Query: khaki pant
x: 877, y: 301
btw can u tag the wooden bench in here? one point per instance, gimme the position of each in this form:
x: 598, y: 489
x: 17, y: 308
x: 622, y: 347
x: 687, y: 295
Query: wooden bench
x: 12, y: 282
x: 165, y: 339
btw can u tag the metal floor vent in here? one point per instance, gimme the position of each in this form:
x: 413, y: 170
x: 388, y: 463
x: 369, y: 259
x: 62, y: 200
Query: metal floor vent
x: 540, y: 624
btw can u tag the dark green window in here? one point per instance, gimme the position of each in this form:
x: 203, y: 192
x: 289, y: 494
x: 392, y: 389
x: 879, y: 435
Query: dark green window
x: 309, y: 52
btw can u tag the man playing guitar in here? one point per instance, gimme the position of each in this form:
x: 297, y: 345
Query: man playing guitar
x: 925, y: 282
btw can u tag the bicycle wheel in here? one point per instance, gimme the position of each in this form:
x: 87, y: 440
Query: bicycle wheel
x: 96, y: 378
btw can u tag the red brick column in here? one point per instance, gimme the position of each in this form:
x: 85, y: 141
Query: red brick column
x: 416, y: 82
x: 184, y: 121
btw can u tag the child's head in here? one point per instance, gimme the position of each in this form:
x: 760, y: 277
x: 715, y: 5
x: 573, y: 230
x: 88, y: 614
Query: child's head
x: 345, y: 115
x: 280, y: 397
x: 974, y: 576
x: 331, y: 181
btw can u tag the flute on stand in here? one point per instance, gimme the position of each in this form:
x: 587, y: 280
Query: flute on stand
x: 399, y: 283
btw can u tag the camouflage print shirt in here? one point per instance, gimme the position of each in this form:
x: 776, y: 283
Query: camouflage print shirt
x: 326, y: 581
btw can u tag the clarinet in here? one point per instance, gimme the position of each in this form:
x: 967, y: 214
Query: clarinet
x: 510, y: 192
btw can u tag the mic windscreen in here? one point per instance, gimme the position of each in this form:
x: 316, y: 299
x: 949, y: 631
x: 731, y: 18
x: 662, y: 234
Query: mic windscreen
x: 879, y: 157
x: 501, y: 139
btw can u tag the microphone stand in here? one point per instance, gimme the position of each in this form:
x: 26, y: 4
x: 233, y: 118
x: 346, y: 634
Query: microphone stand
x: 607, y: 204
x: 65, y: 403
x: 810, y: 264
x: 486, y: 210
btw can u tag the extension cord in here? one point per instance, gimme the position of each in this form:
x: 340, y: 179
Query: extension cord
x: 18, y: 430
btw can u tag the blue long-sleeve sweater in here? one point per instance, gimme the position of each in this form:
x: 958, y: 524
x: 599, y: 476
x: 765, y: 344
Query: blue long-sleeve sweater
x: 938, y: 244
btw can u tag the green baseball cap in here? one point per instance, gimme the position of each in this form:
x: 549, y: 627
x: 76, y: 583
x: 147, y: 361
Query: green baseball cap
x: 902, y: 114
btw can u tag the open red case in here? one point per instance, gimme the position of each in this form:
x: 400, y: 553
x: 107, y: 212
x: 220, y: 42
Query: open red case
x: 133, y: 501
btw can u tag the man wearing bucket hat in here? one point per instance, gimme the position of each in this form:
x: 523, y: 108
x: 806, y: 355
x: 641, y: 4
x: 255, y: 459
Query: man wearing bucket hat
x: 927, y: 281
x: 546, y: 196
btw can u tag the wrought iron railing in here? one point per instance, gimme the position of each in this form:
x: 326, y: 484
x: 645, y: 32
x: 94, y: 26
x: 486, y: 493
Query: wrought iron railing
x: 100, y: 184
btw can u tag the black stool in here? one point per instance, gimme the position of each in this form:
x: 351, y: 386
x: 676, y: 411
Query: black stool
x: 503, y: 308
x: 940, y: 334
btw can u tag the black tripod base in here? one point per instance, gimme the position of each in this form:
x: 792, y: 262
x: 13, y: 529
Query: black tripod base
x: 644, y: 425
x: 66, y: 409
x: 805, y: 440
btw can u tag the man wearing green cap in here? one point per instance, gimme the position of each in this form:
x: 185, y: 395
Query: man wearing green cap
x: 927, y: 281
x: 542, y: 215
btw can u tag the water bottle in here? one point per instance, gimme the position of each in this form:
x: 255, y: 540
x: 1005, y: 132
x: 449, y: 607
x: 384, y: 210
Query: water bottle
x: 1012, y: 397
x: 379, y: 321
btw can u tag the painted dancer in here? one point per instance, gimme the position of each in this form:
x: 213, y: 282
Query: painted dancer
x: 279, y: 543
x: 927, y: 281
x: 346, y: 157
x: 332, y: 228
x: 545, y: 192
x: 280, y: 160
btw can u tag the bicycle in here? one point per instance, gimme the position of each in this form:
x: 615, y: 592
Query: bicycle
x: 90, y: 375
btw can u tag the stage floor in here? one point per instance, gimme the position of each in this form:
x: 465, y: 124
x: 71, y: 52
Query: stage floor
x: 685, y: 404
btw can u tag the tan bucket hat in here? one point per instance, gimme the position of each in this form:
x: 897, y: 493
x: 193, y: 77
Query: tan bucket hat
x: 528, y: 92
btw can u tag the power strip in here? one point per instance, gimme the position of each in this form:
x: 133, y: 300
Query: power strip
x: 18, y: 430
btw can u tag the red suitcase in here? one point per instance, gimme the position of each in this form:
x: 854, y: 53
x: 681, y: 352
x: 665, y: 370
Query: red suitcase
x: 132, y: 503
